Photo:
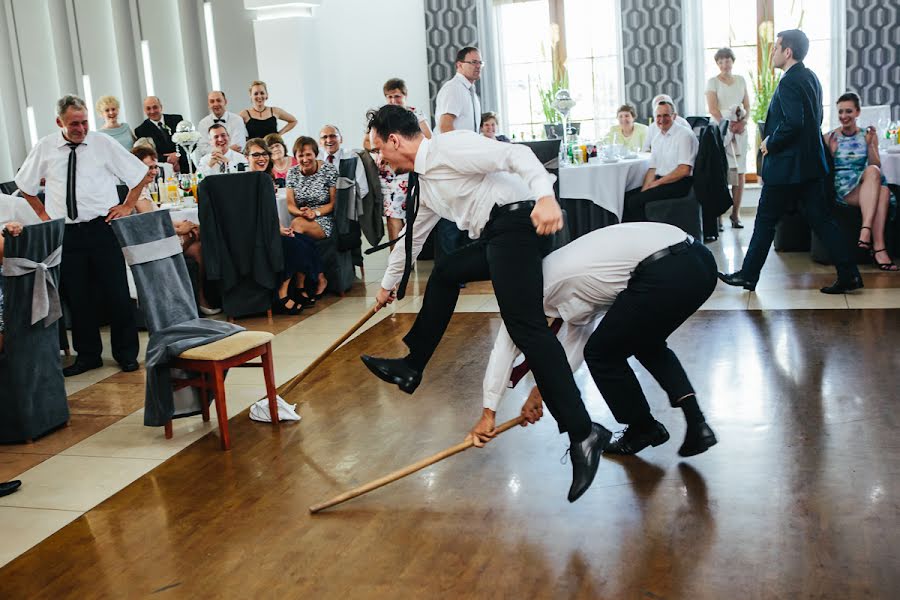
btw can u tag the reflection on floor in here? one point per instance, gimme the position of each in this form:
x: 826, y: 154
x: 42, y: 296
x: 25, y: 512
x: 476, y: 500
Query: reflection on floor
x: 799, y: 490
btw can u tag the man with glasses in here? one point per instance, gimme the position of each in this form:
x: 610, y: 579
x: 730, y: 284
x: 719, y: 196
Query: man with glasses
x: 671, y: 165
x: 330, y: 140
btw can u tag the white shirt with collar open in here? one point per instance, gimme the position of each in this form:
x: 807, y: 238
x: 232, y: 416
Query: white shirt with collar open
x: 101, y: 163
x: 458, y: 97
x: 462, y: 176
x: 677, y: 146
x: 581, y: 280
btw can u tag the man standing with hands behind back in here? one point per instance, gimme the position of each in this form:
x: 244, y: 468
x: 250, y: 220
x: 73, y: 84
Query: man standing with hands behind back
x: 82, y: 169
x: 160, y: 127
x: 794, y: 167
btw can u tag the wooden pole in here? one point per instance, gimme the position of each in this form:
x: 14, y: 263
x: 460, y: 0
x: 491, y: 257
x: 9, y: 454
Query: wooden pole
x: 290, y: 385
x: 409, y: 470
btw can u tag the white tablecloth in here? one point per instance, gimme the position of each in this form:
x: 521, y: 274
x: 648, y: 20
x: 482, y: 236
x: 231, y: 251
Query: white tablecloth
x: 890, y: 166
x: 604, y: 184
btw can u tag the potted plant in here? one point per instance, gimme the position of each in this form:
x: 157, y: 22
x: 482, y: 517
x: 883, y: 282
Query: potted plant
x: 764, y: 85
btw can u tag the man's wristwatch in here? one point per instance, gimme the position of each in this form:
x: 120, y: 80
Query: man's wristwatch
x: 318, y: 213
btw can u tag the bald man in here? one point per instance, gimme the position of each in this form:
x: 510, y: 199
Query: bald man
x: 330, y: 151
x: 159, y: 127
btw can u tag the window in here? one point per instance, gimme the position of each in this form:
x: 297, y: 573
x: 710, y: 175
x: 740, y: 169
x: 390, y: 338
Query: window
x: 584, y: 35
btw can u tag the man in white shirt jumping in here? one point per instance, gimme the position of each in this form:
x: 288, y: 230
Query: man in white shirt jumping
x: 648, y: 278
x: 502, y: 195
x: 221, y: 159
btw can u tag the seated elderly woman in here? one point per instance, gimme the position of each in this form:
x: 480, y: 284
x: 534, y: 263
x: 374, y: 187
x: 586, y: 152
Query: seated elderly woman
x: 14, y: 228
x: 301, y: 258
x: 281, y: 160
x: 630, y: 134
x: 858, y: 180
x: 489, y: 127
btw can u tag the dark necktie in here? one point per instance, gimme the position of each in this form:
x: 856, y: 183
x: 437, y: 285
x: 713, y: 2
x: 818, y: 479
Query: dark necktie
x: 331, y: 159
x: 161, y: 126
x: 522, y: 370
x: 412, y: 208
x: 71, y: 201
x: 475, y: 114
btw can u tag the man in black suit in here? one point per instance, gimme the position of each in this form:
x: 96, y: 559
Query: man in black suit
x: 794, y: 167
x: 160, y: 127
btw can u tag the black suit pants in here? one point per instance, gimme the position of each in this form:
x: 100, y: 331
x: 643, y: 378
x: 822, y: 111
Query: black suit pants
x: 636, y: 200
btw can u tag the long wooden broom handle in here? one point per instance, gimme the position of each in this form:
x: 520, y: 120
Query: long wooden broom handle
x: 288, y: 386
x: 409, y: 470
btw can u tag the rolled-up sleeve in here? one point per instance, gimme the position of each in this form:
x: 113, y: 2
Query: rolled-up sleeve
x: 28, y: 179
x: 123, y: 164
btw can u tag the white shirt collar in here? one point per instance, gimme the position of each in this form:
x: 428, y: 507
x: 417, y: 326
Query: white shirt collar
x: 464, y: 81
x: 61, y: 140
x: 422, y: 156
x: 213, y: 117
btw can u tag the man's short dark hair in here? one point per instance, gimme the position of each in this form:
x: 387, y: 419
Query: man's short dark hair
x: 216, y: 126
x: 796, y: 40
x: 391, y: 118
x: 850, y: 97
x: 395, y: 83
x: 461, y: 55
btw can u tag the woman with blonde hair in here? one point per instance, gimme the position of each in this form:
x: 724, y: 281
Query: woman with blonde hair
x: 261, y: 120
x: 108, y: 107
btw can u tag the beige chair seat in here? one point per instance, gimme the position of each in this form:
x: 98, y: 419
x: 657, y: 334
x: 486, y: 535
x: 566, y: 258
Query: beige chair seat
x: 228, y: 347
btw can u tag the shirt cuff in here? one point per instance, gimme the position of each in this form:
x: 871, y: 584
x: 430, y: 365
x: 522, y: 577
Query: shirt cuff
x: 389, y: 281
x: 492, y: 400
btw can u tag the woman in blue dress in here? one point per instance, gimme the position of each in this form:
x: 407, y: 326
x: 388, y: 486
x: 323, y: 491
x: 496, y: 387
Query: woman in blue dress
x: 858, y: 180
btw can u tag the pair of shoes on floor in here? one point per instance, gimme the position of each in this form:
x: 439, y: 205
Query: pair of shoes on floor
x: 8, y: 487
x: 737, y: 279
x: 282, y: 305
x: 394, y: 370
x: 82, y: 365
x: 698, y: 439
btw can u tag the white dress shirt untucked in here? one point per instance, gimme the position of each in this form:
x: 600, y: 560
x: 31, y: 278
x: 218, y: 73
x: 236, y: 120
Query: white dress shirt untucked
x: 234, y: 159
x: 101, y: 162
x: 360, y: 169
x: 462, y: 176
x: 458, y: 98
x: 677, y: 146
x: 581, y: 280
x: 234, y: 124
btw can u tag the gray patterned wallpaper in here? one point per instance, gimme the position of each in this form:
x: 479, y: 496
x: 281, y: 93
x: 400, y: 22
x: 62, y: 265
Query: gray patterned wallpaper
x: 449, y: 26
x: 653, y: 52
x: 873, y: 52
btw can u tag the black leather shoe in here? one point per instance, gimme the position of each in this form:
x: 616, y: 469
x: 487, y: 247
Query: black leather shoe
x: 130, y: 366
x: 737, y: 279
x: 394, y: 370
x: 585, y: 457
x: 633, y: 441
x: 698, y: 439
x: 842, y: 287
x: 82, y: 366
x: 9, y: 487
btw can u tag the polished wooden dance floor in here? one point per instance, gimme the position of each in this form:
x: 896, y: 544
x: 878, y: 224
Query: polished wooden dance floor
x: 798, y: 500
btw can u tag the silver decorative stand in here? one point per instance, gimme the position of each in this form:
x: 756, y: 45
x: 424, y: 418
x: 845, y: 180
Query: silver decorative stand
x: 563, y: 105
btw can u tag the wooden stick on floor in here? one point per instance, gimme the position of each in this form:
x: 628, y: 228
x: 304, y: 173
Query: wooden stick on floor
x: 409, y: 470
x: 287, y: 387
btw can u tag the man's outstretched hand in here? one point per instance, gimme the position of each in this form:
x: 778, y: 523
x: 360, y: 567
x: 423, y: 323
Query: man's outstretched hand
x: 533, y: 409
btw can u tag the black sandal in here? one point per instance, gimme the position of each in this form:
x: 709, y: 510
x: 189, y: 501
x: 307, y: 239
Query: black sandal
x: 866, y: 245
x: 282, y: 308
x: 888, y: 266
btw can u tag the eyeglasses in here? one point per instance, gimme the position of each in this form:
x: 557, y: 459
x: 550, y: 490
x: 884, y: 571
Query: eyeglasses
x: 477, y: 63
x: 258, y: 154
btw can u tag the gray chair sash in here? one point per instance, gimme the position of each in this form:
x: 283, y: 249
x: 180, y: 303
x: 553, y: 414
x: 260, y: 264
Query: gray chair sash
x: 45, y: 297
x: 150, y: 251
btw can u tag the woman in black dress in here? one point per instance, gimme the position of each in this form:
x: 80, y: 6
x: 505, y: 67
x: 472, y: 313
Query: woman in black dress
x: 261, y: 120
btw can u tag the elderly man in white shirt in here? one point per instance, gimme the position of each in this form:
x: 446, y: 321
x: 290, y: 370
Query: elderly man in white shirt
x: 653, y: 129
x: 218, y: 113
x: 330, y: 140
x: 671, y: 166
x: 648, y: 278
x: 81, y: 169
x: 503, y: 196
x: 222, y: 158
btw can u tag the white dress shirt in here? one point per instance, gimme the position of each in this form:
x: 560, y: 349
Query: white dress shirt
x: 653, y: 131
x: 234, y: 124
x: 341, y: 154
x: 101, y: 162
x: 462, y: 176
x: 458, y: 98
x: 581, y: 280
x: 234, y: 159
x: 677, y: 146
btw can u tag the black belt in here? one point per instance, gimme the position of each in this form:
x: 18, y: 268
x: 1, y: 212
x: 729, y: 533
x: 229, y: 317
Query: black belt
x: 512, y: 207
x: 659, y: 254
x: 86, y: 223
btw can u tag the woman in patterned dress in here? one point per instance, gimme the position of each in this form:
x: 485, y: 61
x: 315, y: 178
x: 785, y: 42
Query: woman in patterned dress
x: 858, y: 180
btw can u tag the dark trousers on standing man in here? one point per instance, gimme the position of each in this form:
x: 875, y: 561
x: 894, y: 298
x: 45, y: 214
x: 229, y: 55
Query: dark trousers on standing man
x: 93, y: 270
x: 509, y: 253
x: 659, y: 298
x: 636, y: 200
x: 810, y: 197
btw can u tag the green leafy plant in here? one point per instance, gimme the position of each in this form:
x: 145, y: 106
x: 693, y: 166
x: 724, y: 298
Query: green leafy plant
x: 766, y: 81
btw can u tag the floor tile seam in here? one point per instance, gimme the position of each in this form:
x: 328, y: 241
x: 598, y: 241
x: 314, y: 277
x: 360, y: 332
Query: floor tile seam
x: 64, y: 510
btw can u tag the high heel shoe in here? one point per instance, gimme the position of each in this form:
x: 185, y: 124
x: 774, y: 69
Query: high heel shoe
x: 888, y: 266
x: 736, y: 224
x: 281, y: 305
x: 866, y: 245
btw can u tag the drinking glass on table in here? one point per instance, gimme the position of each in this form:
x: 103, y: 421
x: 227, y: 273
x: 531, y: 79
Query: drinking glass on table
x: 153, y: 188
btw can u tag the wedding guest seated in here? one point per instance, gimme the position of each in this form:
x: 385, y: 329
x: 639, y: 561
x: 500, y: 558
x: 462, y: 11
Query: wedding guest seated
x: 108, y: 107
x: 14, y: 228
x: 218, y: 113
x: 858, y: 180
x: 301, y: 258
x: 489, y: 127
x: 160, y: 127
x: 653, y: 128
x: 630, y: 134
x: 282, y: 161
x: 671, y: 164
x: 261, y: 120
x: 331, y: 139
x: 221, y: 159
x: 146, y: 202
x: 311, y: 194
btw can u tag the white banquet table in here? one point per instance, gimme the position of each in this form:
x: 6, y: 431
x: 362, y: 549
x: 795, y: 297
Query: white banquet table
x: 890, y: 165
x: 604, y: 184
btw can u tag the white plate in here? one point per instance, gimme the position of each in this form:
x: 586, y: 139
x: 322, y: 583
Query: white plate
x: 609, y: 161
